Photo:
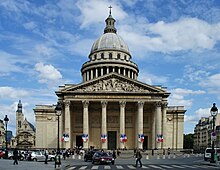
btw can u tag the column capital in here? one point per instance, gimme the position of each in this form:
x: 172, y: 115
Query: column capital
x: 140, y: 103
x: 158, y: 104
x: 85, y: 103
x: 164, y: 104
x: 104, y: 103
x: 122, y: 103
x: 67, y: 103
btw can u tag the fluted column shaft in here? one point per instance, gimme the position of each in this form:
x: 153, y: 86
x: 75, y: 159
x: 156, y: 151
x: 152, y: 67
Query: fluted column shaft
x: 104, y: 123
x: 67, y: 124
x: 164, y: 123
x: 122, y: 120
x: 158, y: 122
x: 153, y: 129
x: 86, y: 121
x: 140, y: 121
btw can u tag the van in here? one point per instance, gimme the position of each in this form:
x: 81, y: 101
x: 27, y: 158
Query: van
x: 208, y: 153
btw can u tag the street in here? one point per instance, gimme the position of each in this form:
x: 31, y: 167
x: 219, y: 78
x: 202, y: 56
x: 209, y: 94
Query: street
x: 194, y: 162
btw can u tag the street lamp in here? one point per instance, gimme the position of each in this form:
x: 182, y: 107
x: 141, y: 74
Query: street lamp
x: 214, y: 112
x: 6, y: 119
x: 58, y: 112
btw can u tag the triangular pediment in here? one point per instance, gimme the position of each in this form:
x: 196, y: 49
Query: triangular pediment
x: 113, y: 83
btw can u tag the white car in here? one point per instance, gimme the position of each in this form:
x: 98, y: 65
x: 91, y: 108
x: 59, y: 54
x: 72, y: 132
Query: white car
x: 208, y: 153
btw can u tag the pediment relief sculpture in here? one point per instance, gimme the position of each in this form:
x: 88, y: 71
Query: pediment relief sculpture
x: 113, y: 85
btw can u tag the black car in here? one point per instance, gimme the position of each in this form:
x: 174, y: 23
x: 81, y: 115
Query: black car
x: 103, y: 158
x: 88, y: 156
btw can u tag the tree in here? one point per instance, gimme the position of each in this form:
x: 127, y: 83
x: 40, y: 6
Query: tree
x: 188, y: 141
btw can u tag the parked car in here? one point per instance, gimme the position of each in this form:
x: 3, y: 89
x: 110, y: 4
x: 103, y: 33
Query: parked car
x: 103, y: 158
x: 37, y: 156
x: 88, y: 156
x: 1, y: 154
x: 208, y: 153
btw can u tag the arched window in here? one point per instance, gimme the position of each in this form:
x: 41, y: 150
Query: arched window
x: 110, y: 55
x: 102, y: 56
x: 118, y: 56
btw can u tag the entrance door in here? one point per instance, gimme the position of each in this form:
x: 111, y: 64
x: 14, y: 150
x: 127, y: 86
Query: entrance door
x: 145, y: 144
x: 112, y: 140
x: 79, y: 141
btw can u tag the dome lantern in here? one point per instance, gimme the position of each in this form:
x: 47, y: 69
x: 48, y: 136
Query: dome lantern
x: 110, y: 24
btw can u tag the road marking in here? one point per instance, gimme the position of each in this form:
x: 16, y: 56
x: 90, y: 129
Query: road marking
x: 157, y: 167
x: 188, y: 166
x: 95, y: 167
x: 131, y: 167
x: 71, y: 168
x: 165, y: 166
x: 107, y: 167
x: 177, y: 166
x: 144, y: 167
x: 119, y: 167
x: 83, y: 167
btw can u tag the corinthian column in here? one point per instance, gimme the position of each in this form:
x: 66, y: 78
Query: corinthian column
x: 122, y: 120
x: 154, y: 129
x: 164, y: 121
x: 104, y: 122
x: 85, y: 121
x: 158, y: 122
x: 67, y: 124
x: 140, y: 121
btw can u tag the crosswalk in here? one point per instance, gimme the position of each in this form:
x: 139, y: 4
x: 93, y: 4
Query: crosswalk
x: 158, y: 167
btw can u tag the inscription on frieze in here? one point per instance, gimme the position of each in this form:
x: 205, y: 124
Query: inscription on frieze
x: 113, y: 85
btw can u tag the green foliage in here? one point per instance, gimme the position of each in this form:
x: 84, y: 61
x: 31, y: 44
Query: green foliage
x: 188, y: 141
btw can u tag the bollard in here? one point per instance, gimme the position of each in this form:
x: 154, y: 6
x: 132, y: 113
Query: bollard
x: 73, y: 156
x: 188, y: 155
x: 164, y: 156
x: 168, y: 156
x: 147, y: 156
x: 174, y: 155
x: 79, y: 156
x: 158, y: 156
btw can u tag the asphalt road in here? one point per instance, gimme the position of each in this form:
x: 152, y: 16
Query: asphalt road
x: 124, y: 162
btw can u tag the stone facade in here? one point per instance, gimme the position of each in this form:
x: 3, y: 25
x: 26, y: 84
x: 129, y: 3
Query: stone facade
x: 2, y: 134
x: 111, y: 102
x: 25, y: 131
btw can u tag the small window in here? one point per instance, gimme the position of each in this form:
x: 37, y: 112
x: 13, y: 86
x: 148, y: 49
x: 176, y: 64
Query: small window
x: 102, y: 56
x: 110, y: 55
x: 95, y: 56
x: 118, y: 56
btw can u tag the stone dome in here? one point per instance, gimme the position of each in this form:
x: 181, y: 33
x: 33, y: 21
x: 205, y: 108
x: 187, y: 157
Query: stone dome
x: 109, y: 41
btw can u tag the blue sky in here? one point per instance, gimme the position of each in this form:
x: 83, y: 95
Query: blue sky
x: 43, y: 44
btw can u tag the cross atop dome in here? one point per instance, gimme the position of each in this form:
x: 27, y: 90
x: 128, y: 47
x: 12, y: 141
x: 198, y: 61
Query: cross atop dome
x: 110, y: 12
x: 110, y: 23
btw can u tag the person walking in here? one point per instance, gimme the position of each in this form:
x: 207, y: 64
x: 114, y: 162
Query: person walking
x: 46, y: 156
x: 114, y: 154
x: 138, y: 158
x: 15, y: 156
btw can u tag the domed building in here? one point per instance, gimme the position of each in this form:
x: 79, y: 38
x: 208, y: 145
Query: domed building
x: 110, y: 108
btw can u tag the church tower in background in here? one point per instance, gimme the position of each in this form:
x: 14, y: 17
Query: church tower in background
x: 19, y: 117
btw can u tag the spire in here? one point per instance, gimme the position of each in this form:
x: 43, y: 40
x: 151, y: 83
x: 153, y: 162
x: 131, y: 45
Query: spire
x: 19, y: 107
x: 110, y: 23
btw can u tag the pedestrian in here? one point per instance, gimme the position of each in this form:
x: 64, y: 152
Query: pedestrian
x: 15, y: 156
x: 138, y: 158
x: 114, y: 154
x: 118, y: 152
x: 46, y: 156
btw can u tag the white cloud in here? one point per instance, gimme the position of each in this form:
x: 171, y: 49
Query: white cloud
x: 94, y: 11
x: 197, y: 115
x: 12, y: 93
x: 152, y: 79
x: 48, y: 74
x: 212, y: 84
x: 185, y: 34
x: 178, y: 97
